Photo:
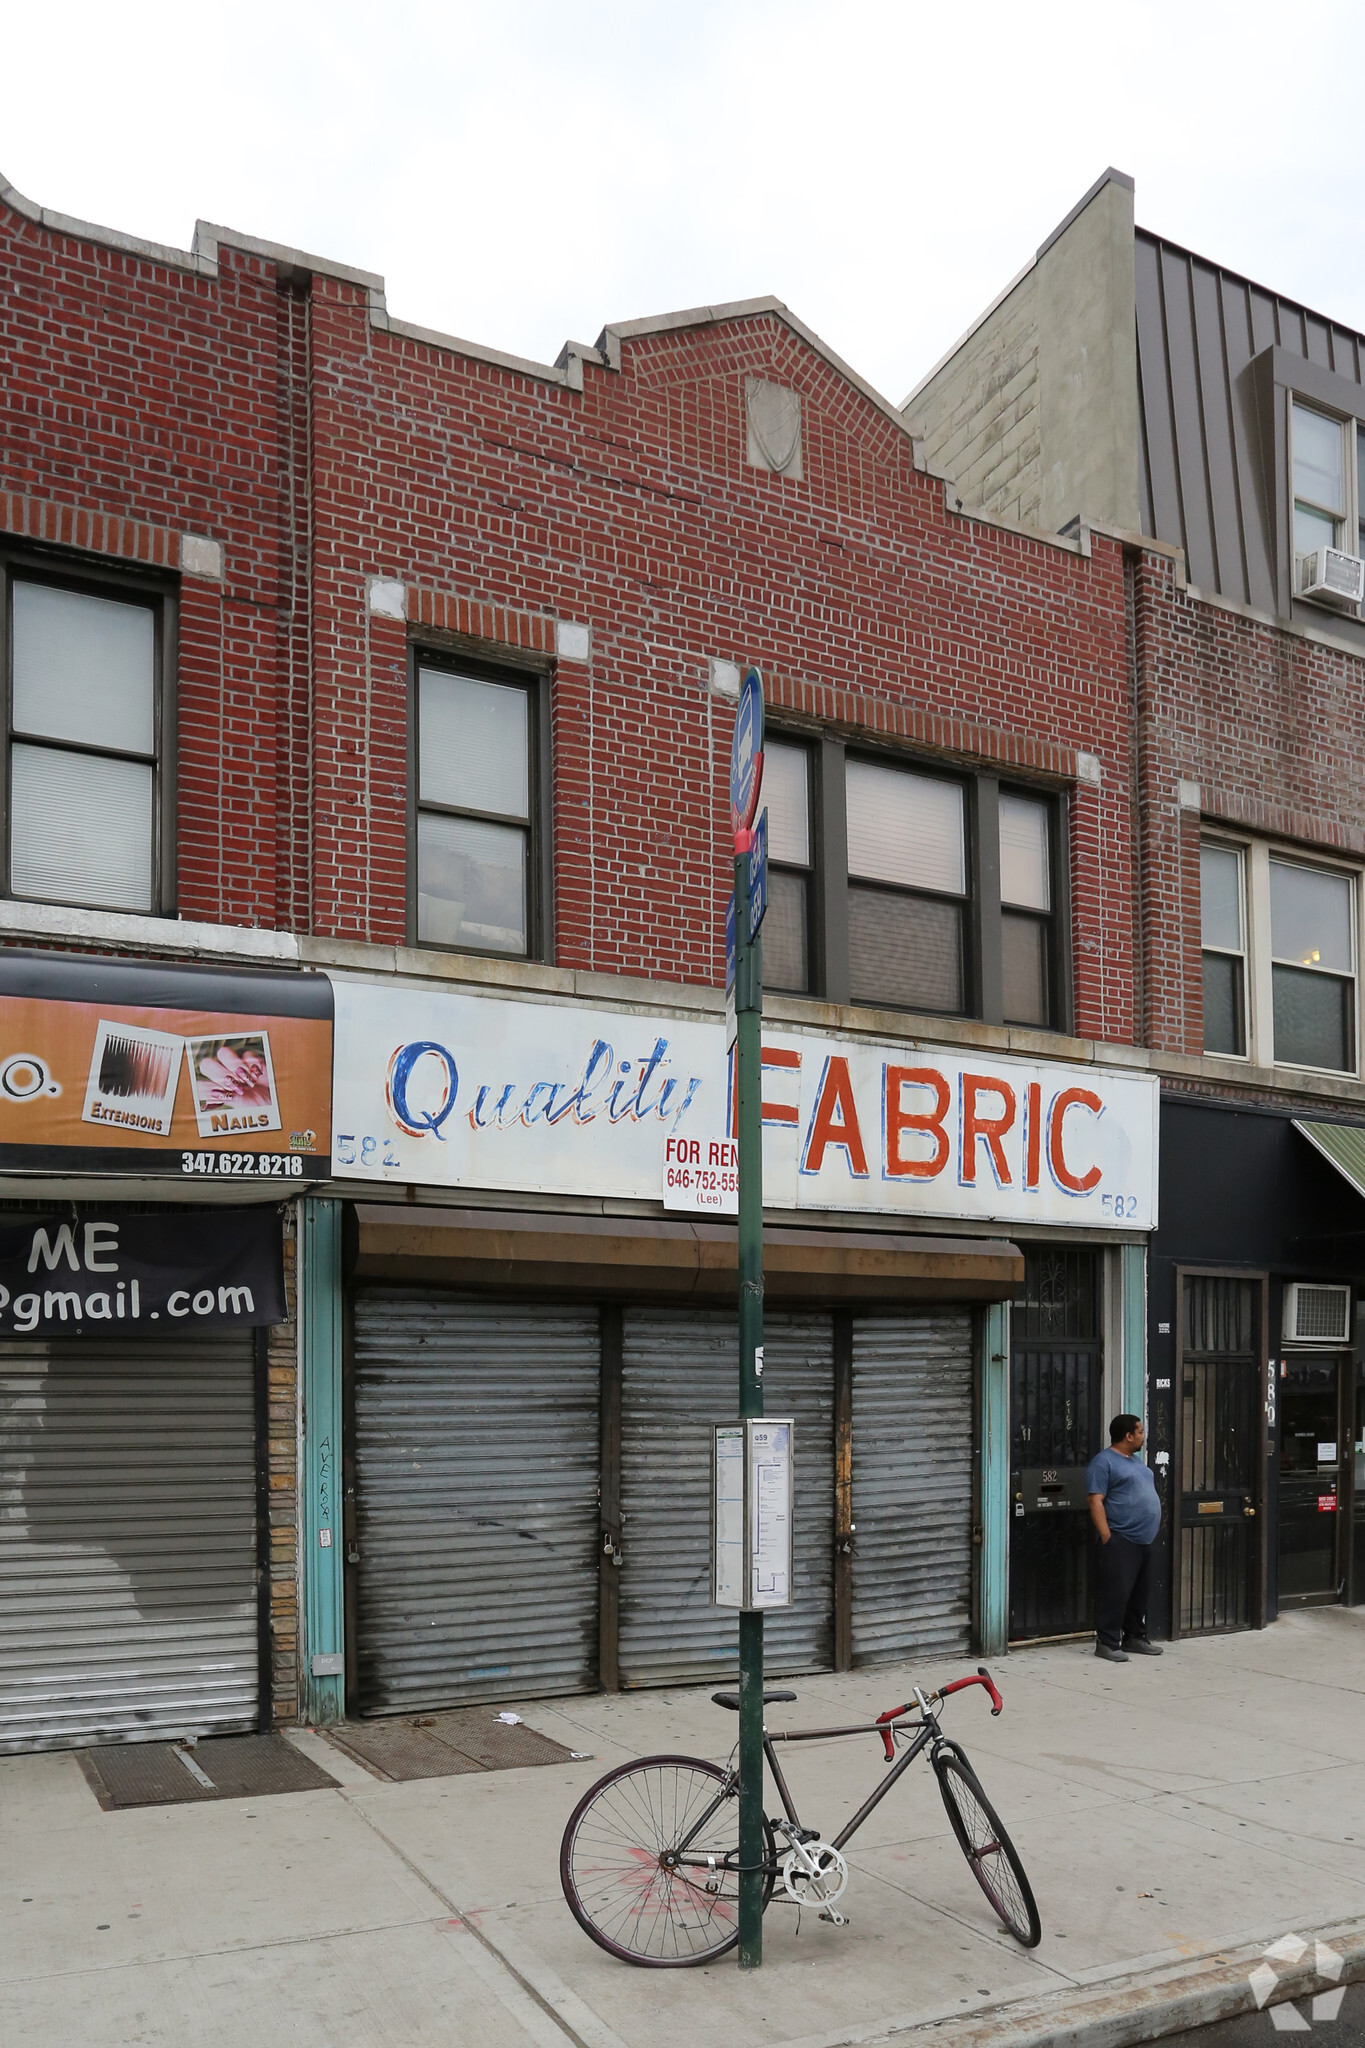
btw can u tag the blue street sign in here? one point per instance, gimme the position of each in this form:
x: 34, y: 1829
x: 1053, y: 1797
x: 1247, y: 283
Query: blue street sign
x: 758, y: 876
x: 730, y: 944
x: 746, y: 752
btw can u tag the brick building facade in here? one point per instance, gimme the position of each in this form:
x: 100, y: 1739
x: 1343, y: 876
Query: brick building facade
x: 1219, y: 427
x: 329, y: 502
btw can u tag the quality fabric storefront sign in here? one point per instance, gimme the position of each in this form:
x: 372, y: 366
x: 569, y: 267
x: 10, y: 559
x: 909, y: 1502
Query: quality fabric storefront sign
x: 114, y: 1067
x: 82, y: 1272
x: 455, y: 1090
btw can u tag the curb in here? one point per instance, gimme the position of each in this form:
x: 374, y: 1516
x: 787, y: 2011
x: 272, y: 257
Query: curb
x: 1142, y: 2011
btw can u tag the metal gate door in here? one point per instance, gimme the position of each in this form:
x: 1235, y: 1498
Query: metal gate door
x: 679, y: 1376
x: 1220, y: 1452
x: 912, y: 1484
x: 1056, y: 1394
x: 476, y: 1464
x: 128, y: 1541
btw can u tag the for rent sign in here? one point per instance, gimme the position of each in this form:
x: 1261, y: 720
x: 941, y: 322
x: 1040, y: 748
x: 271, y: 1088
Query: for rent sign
x: 460, y: 1090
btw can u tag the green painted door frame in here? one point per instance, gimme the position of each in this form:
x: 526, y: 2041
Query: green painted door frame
x: 1133, y: 1260
x: 320, y: 1530
x: 993, y: 1602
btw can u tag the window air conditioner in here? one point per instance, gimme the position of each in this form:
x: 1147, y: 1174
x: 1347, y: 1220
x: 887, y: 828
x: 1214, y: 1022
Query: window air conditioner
x: 1316, y: 1315
x: 1330, y: 573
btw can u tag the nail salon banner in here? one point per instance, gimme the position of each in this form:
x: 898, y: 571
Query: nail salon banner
x: 115, y: 1067
x: 454, y: 1090
x: 99, y: 1272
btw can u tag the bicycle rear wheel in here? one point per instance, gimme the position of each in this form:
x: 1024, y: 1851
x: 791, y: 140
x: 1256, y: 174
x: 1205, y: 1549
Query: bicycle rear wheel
x: 648, y: 1862
x: 988, y: 1849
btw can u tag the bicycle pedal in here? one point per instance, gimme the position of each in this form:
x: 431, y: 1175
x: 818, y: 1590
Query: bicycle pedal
x: 834, y: 1919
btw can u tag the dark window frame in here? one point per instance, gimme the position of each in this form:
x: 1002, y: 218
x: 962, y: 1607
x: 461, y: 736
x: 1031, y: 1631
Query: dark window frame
x: 457, y: 656
x: 1056, y: 921
x: 802, y: 740
x: 830, y: 979
x: 127, y: 584
x: 968, y: 901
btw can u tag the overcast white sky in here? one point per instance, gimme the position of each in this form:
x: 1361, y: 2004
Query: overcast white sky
x: 522, y: 172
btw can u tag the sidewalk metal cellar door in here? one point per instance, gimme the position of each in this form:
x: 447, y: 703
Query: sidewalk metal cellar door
x: 1056, y: 1427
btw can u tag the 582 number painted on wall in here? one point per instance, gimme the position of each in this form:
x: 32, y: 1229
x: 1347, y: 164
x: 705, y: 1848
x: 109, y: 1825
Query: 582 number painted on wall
x: 369, y: 1154
x: 1120, y: 1205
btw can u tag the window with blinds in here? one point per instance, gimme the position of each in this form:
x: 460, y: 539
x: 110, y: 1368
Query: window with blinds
x: 475, y: 825
x: 84, y: 739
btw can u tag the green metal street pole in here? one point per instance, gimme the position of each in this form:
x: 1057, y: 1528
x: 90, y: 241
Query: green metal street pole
x: 748, y: 1084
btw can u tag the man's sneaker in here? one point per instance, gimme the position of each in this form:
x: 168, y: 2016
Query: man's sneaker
x: 1139, y: 1646
x: 1111, y: 1656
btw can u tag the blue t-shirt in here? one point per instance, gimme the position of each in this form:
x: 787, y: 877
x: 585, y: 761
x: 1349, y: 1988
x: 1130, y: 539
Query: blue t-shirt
x: 1131, y: 1506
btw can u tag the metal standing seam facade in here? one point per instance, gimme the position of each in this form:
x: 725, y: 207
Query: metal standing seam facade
x: 1217, y: 357
x: 913, y: 1460
x: 678, y: 1379
x: 128, y: 1541
x: 476, y: 1470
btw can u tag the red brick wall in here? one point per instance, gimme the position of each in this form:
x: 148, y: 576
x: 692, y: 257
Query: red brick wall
x: 1272, y: 728
x: 145, y: 398
x: 631, y: 507
x: 270, y: 414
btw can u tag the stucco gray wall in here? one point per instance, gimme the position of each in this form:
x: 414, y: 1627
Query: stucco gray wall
x: 1035, y: 414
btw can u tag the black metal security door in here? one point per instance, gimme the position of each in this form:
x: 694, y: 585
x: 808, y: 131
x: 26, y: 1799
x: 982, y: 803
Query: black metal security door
x: 1313, y: 1476
x: 1220, y: 1454
x: 1056, y: 1393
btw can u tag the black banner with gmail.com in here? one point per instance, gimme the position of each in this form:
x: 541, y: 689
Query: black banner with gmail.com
x: 102, y: 1272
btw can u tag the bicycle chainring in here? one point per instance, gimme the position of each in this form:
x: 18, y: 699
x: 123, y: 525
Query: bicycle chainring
x: 818, y: 1886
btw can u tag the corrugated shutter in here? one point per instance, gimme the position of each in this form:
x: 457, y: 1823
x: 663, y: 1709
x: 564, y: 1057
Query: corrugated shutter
x: 912, y: 1484
x: 476, y: 1452
x: 680, y: 1374
x: 128, y: 1601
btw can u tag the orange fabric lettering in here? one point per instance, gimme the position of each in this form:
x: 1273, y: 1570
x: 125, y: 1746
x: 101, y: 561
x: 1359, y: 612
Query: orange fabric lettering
x: 1033, y: 1134
x: 898, y: 1119
x: 992, y: 1128
x: 835, y: 1121
x: 780, y: 1112
x: 1070, y: 1097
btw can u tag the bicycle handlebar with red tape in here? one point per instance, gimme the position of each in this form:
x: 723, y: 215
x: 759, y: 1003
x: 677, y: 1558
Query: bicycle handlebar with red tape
x: 983, y: 1677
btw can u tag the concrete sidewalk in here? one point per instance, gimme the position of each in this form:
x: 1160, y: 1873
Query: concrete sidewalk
x: 1175, y: 1816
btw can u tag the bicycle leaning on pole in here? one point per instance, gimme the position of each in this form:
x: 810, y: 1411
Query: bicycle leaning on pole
x: 650, y: 1858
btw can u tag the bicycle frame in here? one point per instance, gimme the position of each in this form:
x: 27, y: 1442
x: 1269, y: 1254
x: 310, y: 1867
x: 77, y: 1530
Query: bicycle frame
x: 929, y: 1732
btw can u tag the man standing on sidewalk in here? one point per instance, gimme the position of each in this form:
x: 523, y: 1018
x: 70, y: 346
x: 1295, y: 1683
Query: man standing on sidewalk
x: 1127, y: 1514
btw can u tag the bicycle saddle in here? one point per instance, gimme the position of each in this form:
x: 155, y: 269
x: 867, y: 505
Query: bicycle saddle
x: 731, y: 1699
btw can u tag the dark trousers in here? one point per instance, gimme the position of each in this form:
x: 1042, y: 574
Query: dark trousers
x: 1123, y: 1570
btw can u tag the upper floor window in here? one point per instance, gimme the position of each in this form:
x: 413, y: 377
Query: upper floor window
x: 1222, y: 909
x: 1026, y: 892
x: 896, y: 884
x: 786, y: 928
x: 87, y: 810
x: 476, y: 851
x: 1328, y: 456
x: 1313, y: 956
x: 1279, y: 957
x: 1321, y: 482
x: 907, y: 887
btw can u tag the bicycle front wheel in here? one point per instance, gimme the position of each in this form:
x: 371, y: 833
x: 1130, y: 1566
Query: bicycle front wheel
x: 649, y: 1862
x: 988, y: 1849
